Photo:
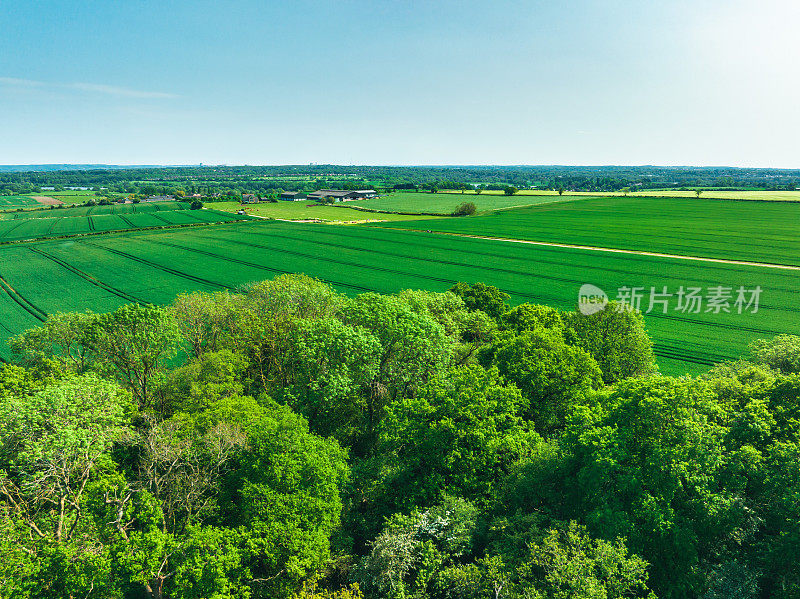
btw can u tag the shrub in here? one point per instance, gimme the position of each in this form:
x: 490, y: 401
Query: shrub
x: 465, y: 209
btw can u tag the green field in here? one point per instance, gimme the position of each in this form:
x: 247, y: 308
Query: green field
x: 59, y: 226
x: 757, y: 195
x: 13, y: 202
x: 71, y: 196
x: 140, y: 208
x: 306, y: 211
x: 749, y: 231
x: 102, y: 272
x: 445, y: 203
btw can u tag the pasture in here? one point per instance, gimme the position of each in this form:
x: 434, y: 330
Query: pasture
x: 445, y: 203
x: 102, y: 272
x: 749, y: 231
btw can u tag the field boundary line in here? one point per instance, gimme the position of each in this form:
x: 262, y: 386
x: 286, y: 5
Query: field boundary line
x: 592, y: 248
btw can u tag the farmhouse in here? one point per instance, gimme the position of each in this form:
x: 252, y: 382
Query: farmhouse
x: 293, y: 196
x: 341, y: 195
x: 249, y: 198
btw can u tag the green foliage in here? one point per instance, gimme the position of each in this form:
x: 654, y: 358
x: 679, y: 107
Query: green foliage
x: 412, y: 550
x: 781, y: 353
x: 330, y: 369
x: 284, y: 499
x: 617, y: 340
x: 530, y: 316
x: 480, y: 296
x: 412, y: 348
x: 460, y: 433
x: 52, y: 442
x: 303, y: 441
x: 134, y: 343
x: 64, y: 338
x: 569, y: 563
x: 554, y: 377
x: 465, y: 209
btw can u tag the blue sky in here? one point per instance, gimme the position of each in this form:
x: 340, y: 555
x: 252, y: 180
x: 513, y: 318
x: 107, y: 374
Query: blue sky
x: 400, y: 82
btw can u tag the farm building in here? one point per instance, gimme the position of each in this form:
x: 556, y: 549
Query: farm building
x: 249, y: 198
x: 293, y: 196
x: 341, y: 195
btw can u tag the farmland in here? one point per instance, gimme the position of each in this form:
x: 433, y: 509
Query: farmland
x: 96, y: 210
x: 100, y: 273
x: 13, y: 202
x: 306, y: 211
x: 749, y: 231
x: 53, y: 224
x: 445, y: 203
x: 759, y: 195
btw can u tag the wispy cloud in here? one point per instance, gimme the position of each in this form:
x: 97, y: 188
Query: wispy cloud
x: 96, y: 88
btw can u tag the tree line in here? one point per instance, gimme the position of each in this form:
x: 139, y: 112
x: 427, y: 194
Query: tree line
x: 289, y: 441
x: 208, y: 180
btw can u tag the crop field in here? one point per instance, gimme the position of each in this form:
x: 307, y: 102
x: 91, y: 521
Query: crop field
x: 71, y: 196
x: 102, y: 272
x: 445, y: 203
x: 749, y: 231
x: 57, y: 226
x: 13, y: 202
x: 755, y: 195
x: 97, y: 210
x: 308, y: 211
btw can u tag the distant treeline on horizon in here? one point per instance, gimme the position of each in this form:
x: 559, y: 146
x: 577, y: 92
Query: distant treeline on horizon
x: 255, y: 179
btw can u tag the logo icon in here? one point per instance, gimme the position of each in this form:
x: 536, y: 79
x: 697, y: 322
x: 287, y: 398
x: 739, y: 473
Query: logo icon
x: 591, y: 299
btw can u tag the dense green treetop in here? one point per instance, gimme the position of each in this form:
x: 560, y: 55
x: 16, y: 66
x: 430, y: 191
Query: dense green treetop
x: 290, y: 441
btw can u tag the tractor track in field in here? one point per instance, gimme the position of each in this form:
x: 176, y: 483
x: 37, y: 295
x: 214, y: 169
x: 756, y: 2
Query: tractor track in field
x: 97, y: 282
x: 157, y: 266
x: 577, y: 282
x: 17, y: 225
x: 666, y: 351
x: 484, y: 255
x: 592, y: 248
x: 246, y: 263
x: 24, y: 303
x: 161, y: 218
